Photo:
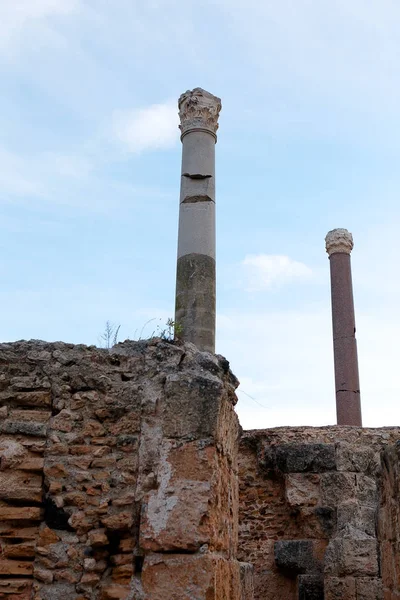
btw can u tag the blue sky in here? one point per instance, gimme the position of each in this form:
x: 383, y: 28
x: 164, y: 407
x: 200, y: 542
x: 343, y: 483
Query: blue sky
x: 308, y: 141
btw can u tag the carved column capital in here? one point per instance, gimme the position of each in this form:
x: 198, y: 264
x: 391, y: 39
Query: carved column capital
x: 339, y: 240
x: 199, y: 110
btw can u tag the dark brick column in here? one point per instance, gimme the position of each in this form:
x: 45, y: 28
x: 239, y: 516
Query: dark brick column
x: 339, y: 244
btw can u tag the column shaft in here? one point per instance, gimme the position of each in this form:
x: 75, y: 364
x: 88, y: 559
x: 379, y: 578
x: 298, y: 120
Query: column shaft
x: 196, y: 278
x: 339, y: 244
x: 348, y: 405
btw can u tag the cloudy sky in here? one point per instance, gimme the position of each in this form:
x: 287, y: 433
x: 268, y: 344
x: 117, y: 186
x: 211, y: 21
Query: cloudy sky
x: 308, y: 141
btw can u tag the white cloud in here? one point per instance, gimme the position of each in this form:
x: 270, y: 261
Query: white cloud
x: 331, y: 64
x: 16, y: 178
x: 152, y: 128
x: 20, y: 18
x: 263, y: 271
x: 38, y: 175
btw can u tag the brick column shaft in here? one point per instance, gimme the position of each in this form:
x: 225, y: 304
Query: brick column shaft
x: 339, y: 243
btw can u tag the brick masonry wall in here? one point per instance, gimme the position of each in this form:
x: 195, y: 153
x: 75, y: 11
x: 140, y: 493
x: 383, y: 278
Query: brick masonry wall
x: 118, y: 474
x: 310, y: 499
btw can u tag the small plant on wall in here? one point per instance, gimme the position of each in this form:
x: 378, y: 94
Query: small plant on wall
x: 169, y: 332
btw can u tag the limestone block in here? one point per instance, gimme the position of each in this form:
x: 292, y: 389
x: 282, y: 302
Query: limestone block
x: 349, y: 556
x: 301, y: 458
x: 246, y: 581
x: 179, y: 514
x: 302, y: 489
x: 369, y: 588
x: 327, y: 517
x: 357, y: 458
x: 366, y: 490
x: 357, y: 515
x: 337, y: 488
x: 337, y: 588
x: 294, y: 556
x: 310, y: 587
x: 185, y: 577
x: 197, y: 400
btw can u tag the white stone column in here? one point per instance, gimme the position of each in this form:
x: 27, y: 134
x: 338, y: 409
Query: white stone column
x: 339, y: 244
x: 195, y: 281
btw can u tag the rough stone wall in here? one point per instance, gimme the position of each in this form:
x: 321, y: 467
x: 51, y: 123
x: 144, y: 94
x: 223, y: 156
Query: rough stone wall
x: 118, y: 474
x: 389, y: 523
x: 309, y: 505
x: 119, y: 481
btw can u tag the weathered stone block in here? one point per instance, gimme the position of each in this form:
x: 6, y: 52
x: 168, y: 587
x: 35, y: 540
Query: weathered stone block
x: 294, y: 556
x: 246, y: 581
x: 369, y: 588
x: 366, y: 490
x: 357, y: 515
x: 327, y: 517
x: 356, y: 557
x: 340, y: 588
x: 177, y: 514
x: 195, y: 500
x: 357, y: 458
x: 302, y: 489
x: 197, y: 400
x: 301, y: 458
x: 310, y: 587
x: 185, y: 577
x: 337, y: 488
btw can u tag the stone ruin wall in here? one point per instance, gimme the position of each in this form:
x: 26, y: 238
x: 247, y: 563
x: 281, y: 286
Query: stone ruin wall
x: 118, y: 473
x: 319, y: 512
x: 120, y: 479
x: 389, y: 522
